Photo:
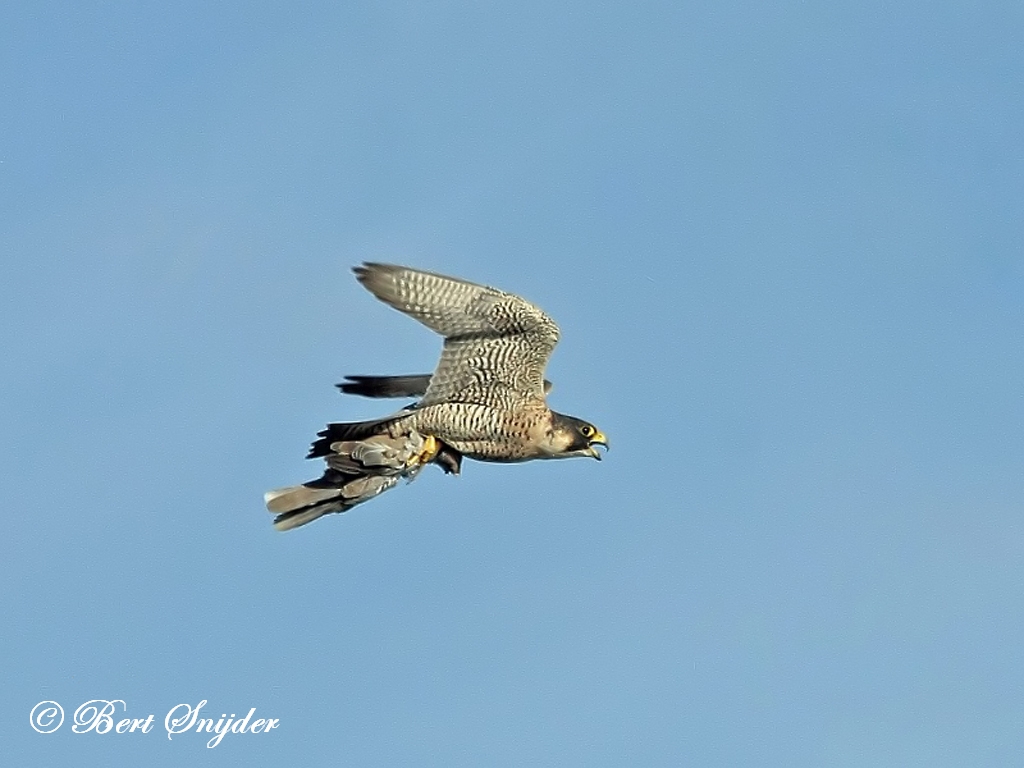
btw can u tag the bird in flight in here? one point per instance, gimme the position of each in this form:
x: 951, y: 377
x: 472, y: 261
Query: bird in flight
x: 486, y: 400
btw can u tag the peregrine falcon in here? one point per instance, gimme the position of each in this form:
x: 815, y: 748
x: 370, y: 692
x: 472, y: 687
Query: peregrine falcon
x: 484, y: 401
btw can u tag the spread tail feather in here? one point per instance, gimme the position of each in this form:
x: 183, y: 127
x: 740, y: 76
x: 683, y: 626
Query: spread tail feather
x: 351, y: 430
x: 301, y: 504
x: 357, y: 470
x: 283, y: 500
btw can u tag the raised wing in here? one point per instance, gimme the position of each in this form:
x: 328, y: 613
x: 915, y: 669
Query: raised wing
x: 496, y: 346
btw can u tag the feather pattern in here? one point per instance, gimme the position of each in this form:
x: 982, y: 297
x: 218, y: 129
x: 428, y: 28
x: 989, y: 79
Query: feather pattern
x: 494, y: 340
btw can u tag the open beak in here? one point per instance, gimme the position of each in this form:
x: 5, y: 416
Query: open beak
x: 597, y: 439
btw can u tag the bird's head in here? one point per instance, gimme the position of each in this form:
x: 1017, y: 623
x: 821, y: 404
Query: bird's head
x: 574, y: 437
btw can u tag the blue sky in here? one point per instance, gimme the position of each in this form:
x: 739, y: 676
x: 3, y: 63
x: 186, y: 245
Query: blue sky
x: 784, y: 246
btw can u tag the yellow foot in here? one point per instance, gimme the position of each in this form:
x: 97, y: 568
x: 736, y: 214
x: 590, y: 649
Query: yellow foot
x: 431, y: 446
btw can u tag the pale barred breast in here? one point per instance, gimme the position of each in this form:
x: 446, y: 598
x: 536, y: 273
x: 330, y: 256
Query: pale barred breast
x: 485, y: 433
x: 452, y: 422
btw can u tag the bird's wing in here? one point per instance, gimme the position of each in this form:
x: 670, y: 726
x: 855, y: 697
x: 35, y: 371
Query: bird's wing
x: 386, y: 386
x: 412, y: 385
x: 496, y: 344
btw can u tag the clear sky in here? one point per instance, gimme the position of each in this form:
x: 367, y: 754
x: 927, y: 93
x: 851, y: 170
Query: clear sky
x: 784, y: 243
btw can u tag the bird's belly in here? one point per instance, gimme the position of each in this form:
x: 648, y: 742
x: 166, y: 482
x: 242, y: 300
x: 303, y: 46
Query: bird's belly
x: 494, y: 451
x: 482, y: 433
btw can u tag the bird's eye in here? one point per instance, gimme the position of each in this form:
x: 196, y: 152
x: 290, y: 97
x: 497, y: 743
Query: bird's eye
x: 586, y: 430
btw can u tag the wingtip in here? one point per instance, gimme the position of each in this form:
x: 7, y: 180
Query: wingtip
x: 376, y: 276
x: 375, y: 266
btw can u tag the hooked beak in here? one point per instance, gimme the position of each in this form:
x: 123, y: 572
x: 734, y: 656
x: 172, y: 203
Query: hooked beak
x: 597, y: 439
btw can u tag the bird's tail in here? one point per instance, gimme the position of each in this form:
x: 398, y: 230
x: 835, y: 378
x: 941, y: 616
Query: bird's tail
x: 349, y: 431
x: 357, y: 471
x: 301, y: 504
